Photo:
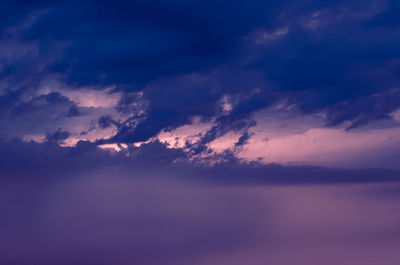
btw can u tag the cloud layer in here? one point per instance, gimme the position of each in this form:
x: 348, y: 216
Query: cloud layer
x: 152, y: 68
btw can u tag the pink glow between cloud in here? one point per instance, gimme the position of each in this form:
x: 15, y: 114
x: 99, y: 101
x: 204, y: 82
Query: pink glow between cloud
x: 322, y: 146
x: 289, y: 138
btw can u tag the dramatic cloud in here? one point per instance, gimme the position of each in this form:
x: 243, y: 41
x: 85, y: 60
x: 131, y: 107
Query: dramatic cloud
x: 184, y: 58
x: 199, y: 132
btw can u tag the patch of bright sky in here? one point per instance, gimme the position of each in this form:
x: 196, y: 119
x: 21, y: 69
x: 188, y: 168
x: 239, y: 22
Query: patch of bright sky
x: 83, y: 127
x: 191, y: 133
x: 396, y: 115
x: 84, y: 97
x: 323, y: 146
x: 92, y: 105
x: 113, y: 147
x: 288, y: 138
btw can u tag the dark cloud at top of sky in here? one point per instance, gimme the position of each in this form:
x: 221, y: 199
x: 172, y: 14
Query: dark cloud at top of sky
x: 388, y: 18
x: 337, y: 57
x: 136, y: 42
x: 330, y: 53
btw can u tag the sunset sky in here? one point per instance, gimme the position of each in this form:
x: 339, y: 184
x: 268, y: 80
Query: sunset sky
x: 200, y: 132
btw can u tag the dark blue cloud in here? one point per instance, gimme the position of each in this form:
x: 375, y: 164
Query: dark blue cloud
x: 106, y: 121
x: 341, y: 65
x: 133, y: 42
x: 243, y: 139
x: 43, y: 103
x: 334, y: 57
x: 57, y: 137
x: 388, y: 19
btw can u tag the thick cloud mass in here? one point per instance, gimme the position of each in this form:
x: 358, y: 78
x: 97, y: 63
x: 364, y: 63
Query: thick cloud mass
x: 336, y: 57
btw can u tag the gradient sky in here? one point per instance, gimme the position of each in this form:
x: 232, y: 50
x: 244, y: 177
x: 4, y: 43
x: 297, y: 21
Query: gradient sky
x: 199, y: 132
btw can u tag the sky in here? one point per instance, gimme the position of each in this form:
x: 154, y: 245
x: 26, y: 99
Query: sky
x: 199, y: 132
